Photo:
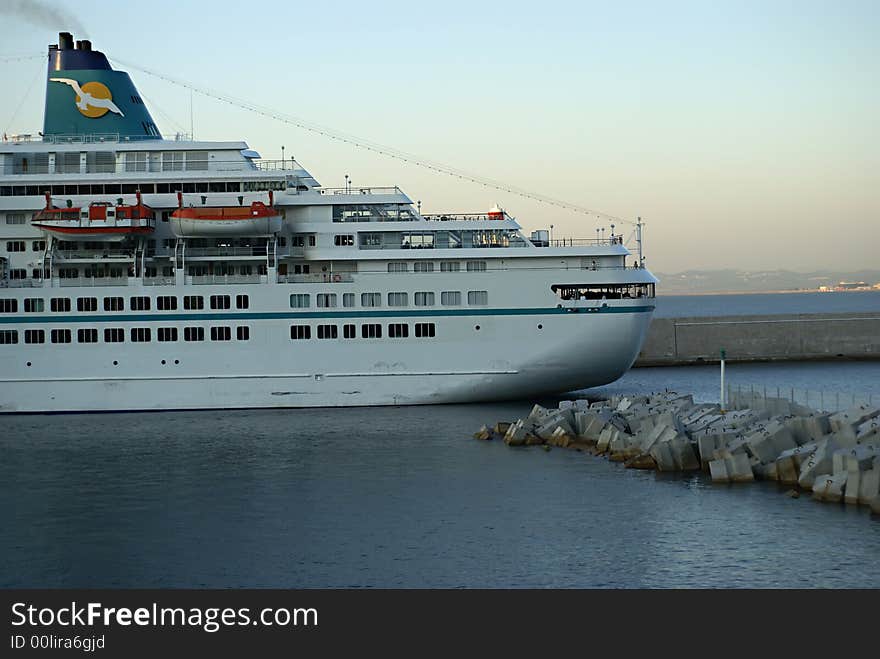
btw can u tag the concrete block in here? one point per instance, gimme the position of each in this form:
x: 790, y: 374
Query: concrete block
x: 662, y: 454
x: 853, y: 417
x: 821, y: 460
x: 771, y: 442
x: 553, y: 421
x: 706, y: 446
x: 718, y: 471
x: 869, y: 485
x: 829, y: 487
x: 735, y: 468
x: 683, y: 454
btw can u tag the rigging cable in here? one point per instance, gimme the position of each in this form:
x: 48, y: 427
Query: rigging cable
x: 376, y: 147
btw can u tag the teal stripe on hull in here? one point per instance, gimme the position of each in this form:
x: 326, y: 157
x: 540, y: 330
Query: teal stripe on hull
x: 161, y: 316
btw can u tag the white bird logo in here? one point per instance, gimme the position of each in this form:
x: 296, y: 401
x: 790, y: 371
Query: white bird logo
x: 93, y: 99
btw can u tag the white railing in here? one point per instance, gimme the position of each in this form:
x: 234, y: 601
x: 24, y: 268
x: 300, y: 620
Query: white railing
x: 817, y: 399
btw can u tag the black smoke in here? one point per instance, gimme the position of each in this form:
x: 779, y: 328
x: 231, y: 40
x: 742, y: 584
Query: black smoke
x: 42, y: 14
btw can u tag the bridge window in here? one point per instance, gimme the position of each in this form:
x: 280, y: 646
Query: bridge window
x: 300, y: 301
x: 193, y: 333
x: 371, y: 331
x: 424, y: 299
x: 343, y: 240
x: 328, y: 332
x: 425, y: 330
x: 114, y: 304
x: 298, y: 332
x: 87, y: 304
x: 166, y: 334
x: 398, y: 299
x: 398, y: 330
x: 34, y: 336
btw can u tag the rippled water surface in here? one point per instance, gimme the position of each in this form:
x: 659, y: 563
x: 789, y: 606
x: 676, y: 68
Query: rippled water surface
x: 387, y: 497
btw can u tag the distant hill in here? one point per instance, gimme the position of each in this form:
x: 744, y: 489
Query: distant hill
x: 757, y: 281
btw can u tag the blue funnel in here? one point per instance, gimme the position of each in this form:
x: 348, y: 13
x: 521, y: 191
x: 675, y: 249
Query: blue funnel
x: 84, y: 96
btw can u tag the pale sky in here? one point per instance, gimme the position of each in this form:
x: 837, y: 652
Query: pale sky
x: 746, y: 134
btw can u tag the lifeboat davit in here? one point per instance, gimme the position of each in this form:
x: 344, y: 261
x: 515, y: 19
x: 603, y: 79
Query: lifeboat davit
x: 100, y: 221
x: 258, y: 219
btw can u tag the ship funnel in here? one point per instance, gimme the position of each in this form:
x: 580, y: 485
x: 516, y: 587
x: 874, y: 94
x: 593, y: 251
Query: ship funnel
x: 85, y: 96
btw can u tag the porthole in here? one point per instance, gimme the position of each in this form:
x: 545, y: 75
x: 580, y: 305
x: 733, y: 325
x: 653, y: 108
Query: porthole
x: 540, y: 327
x: 477, y: 327
x: 163, y: 362
x: 176, y: 361
x: 28, y: 363
x: 115, y: 363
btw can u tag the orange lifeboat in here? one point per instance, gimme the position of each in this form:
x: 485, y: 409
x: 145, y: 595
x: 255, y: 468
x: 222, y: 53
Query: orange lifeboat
x: 258, y: 219
x: 100, y: 221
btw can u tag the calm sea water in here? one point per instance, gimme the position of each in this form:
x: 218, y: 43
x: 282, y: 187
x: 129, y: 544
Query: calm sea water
x: 402, y: 497
x: 669, y: 306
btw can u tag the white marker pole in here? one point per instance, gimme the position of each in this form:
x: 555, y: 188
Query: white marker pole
x: 723, y: 402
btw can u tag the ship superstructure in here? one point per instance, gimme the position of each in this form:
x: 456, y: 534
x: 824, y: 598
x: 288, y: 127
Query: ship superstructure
x: 138, y: 272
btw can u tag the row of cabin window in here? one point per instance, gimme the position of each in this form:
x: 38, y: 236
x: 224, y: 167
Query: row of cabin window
x: 21, y: 245
x: 428, y: 266
x: 117, y: 335
x: 395, y: 299
x: 144, y: 188
x: 368, y: 331
x: 136, y: 303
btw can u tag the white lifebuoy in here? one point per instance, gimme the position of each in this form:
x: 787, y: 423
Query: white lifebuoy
x: 337, y: 278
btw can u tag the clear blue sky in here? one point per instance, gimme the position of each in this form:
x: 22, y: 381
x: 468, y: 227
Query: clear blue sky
x: 745, y: 133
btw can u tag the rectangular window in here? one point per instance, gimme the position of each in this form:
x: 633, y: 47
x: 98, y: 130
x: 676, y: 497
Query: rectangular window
x: 221, y: 334
x: 300, y: 301
x: 193, y: 302
x: 34, y: 305
x: 38, y: 245
x: 450, y: 298
x: 87, y: 335
x: 15, y: 246
x: 348, y: 331
x: 219, y: 301
x: 397, y: 266
x: 398, y: 330
x: 371, y: 331
x: 371, y: 299
x: 68, y: 273
x: 140, y: 303
x: 114, y: 334
x: 348, y: 299
x: 242, y: 333
x: 87, y: 304
x: 478, y: 298
x: 8, y: 305
x: 8, y: 337
x: 423, y: 266
x: 425, y: 330
x: 114, y: 304
x: 242, y: 302
x: 34, y: 336
x: 193, y: 333
x: 141, y: 334
x: 15, y: 218
x: 328, y: 332
x: 166, y: 334
x: 398, y: 299
x: 300, y: 332
x: 326, y: 300
x: 59, y: 304
x: 136, y: 161
x: 424, y: 299
x: 343, y: 240
x: 18, y: 273
x: 476, y: 266
x: 166, y: 303
x: 60, y: 336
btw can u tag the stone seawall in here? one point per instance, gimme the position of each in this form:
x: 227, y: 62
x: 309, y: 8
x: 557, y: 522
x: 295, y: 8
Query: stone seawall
x: 792, y: 337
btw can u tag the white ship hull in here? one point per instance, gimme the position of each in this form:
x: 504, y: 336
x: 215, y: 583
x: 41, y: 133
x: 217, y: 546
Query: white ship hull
x: 508, y: 358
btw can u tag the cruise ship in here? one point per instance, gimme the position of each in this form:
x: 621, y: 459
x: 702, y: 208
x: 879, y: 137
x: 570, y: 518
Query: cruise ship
x: 142, y: 273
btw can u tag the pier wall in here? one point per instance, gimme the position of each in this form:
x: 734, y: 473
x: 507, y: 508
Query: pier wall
x: 791, y: 337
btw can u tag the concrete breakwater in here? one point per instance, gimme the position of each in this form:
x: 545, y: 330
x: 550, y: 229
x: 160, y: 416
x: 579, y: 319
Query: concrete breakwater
x: 672, y: 341
x: 836, y: 456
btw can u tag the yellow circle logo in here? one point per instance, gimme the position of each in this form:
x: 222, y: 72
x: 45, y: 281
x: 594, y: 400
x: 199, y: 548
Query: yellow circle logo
x: 94, y: 91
